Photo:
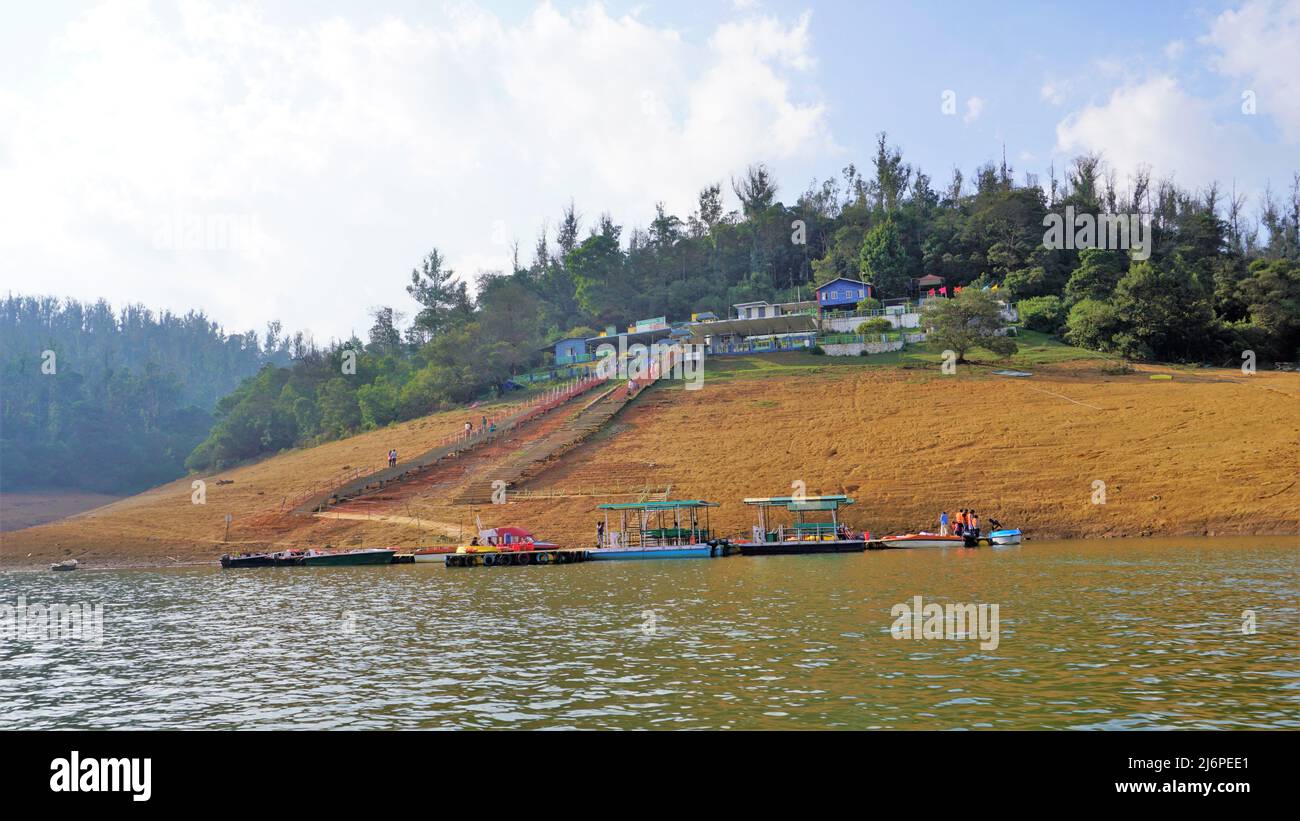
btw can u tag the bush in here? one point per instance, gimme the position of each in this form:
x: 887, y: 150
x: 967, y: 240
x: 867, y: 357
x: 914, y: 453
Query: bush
x: 879, y: 325
x: 816, y: 350
x: 1042, y: 313
x: 1092, y: 324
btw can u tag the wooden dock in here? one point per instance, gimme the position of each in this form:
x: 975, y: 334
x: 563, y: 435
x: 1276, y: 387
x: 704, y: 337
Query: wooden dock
x: 511, y: 558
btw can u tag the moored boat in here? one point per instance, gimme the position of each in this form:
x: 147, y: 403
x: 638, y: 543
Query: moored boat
x: 801, y: 536
x: 370, y: 555
x: 507, y: 539
x: 670, y: 529
x: 1005, y: 537
x: 913, y: 540
x: 247, y: 560
x: 66, y: 564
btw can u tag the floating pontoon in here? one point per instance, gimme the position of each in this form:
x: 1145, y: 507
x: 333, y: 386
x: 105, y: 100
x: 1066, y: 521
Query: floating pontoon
x: 670, y: 529
x: 801, y: 536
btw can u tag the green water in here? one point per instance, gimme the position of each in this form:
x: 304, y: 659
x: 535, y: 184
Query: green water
x: 1101, y: 634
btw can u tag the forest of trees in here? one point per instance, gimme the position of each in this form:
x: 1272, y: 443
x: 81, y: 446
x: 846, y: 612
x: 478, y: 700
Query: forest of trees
x: 1223, y: 277
x: 122, y: 398
x: 1216, y: 283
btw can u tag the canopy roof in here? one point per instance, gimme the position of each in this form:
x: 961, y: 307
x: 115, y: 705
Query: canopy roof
x: 671, y: 504
x: 801, y: 502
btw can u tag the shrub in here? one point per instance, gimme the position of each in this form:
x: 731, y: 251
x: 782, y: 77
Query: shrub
x: 879, y: 325
x: 1042, y: 313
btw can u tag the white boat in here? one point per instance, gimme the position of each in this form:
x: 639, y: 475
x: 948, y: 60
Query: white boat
x: 912, y: 540
x: 1005, y: 537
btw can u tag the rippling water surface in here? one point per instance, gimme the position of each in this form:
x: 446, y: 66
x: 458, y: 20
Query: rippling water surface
x: 1103, y: 634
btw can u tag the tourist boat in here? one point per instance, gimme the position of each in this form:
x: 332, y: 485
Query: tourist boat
x: 367, y: 555
x: 669, y: 529
x: 924, y: 540
x: 492, y: 540
x: 66, y: 564
x: 1005, y: 537
x: 801, y: 536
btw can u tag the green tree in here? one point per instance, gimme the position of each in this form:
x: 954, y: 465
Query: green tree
x: 1098, y: 273
x: 884, y: 260
x: 972, y: 319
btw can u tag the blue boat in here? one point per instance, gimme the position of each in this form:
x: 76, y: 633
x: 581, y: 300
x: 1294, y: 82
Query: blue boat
x: 1005, y: 537
x: 670, y: 529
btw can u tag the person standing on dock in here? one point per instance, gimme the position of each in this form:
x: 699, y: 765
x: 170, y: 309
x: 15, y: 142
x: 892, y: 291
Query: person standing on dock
x: 943, y: 523
x: 600, y: 533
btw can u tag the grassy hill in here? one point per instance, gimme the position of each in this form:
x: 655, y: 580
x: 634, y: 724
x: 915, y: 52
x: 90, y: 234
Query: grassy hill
x: 1204, y: 451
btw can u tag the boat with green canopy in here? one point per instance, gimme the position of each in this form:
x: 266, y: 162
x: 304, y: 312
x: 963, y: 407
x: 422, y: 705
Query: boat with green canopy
x: 668, y: 529
x: 814, y: 526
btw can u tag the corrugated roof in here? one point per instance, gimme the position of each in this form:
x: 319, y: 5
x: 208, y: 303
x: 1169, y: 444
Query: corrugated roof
x: 791, y: 323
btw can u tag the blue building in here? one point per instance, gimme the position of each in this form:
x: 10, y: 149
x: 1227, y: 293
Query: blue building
x: 842, y: 294
x: 570, y: 350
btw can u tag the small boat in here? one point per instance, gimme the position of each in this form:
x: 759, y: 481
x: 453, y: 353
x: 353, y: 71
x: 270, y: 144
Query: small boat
x: 669, y: 529
x: 66, y: 564
x: 801, y: 537
x: 491, y: 540
x: 1005, y: 537
x: 248, y: 560
x: 913, y: 540
x: 368, y: 555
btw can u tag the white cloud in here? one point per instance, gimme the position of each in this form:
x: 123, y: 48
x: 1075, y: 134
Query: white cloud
x: 1053, y: 91
x: 974, y: 107
x: 1156, y: 123
x: 347, y: 150
x: 1259, y: 45
x: 1174, y: 49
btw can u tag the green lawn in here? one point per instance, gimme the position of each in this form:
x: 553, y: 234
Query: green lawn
x: 1035, y: 349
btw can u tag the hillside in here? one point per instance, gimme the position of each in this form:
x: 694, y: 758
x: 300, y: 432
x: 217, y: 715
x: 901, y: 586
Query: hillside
x: 1206, y: 451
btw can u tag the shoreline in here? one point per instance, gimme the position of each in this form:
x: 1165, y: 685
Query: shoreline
x: 123, y: 562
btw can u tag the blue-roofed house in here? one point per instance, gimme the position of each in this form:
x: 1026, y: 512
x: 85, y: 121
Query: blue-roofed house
x: 842, y: 294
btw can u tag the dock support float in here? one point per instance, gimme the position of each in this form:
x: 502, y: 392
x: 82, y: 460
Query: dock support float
x: 517, y: 557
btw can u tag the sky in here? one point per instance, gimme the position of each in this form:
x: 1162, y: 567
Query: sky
x: 295, y: 160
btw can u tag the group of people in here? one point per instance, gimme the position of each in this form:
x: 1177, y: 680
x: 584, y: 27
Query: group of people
x: 484, y: 426
x: 965, y: 523
x: 392, y: 457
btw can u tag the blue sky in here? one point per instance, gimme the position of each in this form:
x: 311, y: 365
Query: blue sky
x: 295, y: 160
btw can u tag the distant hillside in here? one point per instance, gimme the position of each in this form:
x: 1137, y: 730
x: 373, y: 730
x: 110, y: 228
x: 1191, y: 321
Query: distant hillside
x: 113, y: 401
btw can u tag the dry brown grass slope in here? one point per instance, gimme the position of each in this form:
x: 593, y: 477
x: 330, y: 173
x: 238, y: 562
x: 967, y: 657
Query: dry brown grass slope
x: 1208, y: 451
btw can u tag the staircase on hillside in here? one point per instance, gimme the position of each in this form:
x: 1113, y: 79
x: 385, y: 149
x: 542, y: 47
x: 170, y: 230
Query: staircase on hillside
x: 540, y: 455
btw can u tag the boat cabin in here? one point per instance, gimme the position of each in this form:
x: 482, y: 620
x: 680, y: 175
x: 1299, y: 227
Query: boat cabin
x: 669, y: 523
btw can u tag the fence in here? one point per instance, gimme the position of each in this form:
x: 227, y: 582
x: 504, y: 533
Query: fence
x: 456, y: 443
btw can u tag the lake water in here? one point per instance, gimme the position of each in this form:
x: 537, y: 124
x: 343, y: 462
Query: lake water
x: 1092, y: 634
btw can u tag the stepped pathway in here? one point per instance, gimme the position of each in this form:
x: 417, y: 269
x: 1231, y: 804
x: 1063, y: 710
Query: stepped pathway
x: 542, y: 454
x: 376, y: 481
